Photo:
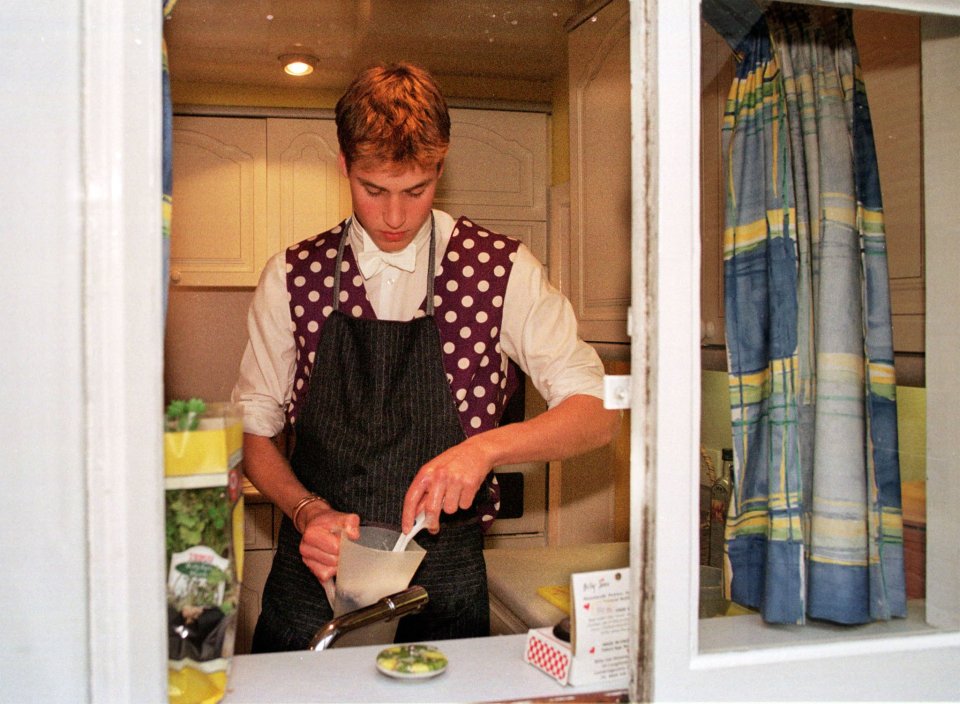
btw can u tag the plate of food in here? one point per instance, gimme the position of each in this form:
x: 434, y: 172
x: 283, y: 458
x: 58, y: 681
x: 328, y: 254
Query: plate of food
x: 411, y: 661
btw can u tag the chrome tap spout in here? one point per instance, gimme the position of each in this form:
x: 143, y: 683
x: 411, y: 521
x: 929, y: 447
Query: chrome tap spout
x: 409, y: 601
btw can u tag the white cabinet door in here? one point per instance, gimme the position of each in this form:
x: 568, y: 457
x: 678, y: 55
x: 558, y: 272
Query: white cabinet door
x: 245, y: 188
x: 717, y: 71
x: 218, y: 230
x: 307, y: 193
x: 600, y: 199
x: 496, y: 173
x: 889, y: 48
x: 890, y: 55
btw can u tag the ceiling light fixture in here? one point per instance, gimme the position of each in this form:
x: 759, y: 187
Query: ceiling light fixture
x: 298, y: 64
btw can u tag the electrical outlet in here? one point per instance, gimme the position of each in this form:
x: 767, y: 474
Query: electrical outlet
x: 616, y: 391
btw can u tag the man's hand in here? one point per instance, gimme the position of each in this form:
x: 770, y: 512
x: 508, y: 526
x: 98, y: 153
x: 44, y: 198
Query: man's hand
x: 320, y: 544
x: 450, y: 480
x: 446, y: 483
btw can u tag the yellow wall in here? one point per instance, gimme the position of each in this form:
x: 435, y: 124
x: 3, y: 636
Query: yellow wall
x: 912, y: 432
x: 560, y: 126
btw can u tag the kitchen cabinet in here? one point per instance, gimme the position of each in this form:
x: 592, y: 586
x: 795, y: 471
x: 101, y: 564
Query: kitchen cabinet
x: 594, y: 484
x: 261, y: 521
x: 889, y: 48
x: 306, y: 192
x: 600, y: 198
x: 247, y: 187
x: 496, y: 173
x: 244, y: 188
x: 219, y: 227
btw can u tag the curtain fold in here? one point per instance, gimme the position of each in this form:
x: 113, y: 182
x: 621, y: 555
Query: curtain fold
x: 167, y: 162
x: 815, y: 526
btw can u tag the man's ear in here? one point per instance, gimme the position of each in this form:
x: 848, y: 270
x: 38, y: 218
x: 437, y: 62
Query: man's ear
x: 342, y: 161
x: 440, y: 169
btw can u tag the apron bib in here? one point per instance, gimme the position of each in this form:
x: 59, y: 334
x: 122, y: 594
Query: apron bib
x: 379, y: 406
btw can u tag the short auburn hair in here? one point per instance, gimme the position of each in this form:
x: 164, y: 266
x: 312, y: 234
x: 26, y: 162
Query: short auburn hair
x: 393, y: 113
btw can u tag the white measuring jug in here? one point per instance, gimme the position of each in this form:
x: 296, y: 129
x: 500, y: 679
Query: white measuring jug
x: 369, y: 570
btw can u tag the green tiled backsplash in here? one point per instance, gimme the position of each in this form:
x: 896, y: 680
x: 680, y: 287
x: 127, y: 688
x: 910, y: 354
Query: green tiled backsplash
x: 911, y: 420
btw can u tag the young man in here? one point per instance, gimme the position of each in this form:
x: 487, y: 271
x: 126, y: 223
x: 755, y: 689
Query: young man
x: 389, y: 344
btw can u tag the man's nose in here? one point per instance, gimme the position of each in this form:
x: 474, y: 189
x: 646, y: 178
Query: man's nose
x: 394, y: 214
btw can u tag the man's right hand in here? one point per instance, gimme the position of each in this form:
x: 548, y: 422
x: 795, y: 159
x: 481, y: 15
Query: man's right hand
x: 320, y: 544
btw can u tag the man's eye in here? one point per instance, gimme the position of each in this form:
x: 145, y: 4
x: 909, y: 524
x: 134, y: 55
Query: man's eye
x: 374, y: 192
x: 415, y: 194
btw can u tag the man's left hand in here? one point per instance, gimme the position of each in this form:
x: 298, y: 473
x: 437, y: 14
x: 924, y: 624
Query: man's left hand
x: 446, y: 483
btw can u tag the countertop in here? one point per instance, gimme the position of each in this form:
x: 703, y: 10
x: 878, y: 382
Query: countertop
x: 514, y: 575
x: 480, y: 670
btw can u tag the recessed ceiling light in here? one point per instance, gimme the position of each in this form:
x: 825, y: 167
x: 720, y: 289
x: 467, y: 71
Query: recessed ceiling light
x: 298, y: 64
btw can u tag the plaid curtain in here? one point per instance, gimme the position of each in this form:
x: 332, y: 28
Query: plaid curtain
x: 815, y: 526
x: 167, y: 162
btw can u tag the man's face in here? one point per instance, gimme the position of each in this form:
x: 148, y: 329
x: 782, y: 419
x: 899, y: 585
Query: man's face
x: 391, y: 204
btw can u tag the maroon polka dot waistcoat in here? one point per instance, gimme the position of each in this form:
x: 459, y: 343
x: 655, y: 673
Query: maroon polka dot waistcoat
x: 469, y: 288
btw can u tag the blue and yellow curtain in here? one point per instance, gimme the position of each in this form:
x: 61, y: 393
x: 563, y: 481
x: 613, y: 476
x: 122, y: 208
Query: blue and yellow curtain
x: 815, y: 527
x: 167, y: 162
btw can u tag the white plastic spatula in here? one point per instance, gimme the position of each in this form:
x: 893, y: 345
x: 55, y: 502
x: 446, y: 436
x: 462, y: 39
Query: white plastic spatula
x: 407, y: 537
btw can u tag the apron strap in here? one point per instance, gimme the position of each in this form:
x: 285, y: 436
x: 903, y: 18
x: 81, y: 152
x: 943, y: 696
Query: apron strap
x: 431, y: 264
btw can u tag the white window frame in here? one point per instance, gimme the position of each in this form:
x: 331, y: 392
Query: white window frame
x: 123, y: 373
x: 123, y: 349
x: 762, y: 662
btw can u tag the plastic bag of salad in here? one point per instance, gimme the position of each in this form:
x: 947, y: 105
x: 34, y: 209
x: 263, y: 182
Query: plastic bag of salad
x: 203, y: 446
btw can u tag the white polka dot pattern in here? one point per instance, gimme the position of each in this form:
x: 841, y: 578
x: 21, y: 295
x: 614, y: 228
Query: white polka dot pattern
x: 310, y: 269
x: 476, y: 267
x: 468, y: 302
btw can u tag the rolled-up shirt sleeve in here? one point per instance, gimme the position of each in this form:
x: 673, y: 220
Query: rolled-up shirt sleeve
x: 267, y: 367
x: 540, y: 333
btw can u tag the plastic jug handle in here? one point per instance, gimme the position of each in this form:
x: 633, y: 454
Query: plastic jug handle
x: 330, y: 587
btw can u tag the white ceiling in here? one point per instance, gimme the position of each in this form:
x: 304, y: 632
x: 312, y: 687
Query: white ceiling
x: 238, y: 41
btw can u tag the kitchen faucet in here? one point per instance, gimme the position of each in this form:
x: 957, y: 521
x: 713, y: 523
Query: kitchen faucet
x: 409, y: 601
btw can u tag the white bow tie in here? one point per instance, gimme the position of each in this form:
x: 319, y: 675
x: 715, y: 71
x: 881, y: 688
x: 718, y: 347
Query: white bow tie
x: 373, y: 261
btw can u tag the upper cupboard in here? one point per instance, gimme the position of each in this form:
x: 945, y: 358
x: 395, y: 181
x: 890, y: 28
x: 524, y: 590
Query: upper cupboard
x: 247, y: 187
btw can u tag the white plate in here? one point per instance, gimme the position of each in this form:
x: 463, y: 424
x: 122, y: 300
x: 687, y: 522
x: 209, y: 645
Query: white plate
x: 411, y: 661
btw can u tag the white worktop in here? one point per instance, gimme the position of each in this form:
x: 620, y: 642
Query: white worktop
x: 514, y: 575
x: 480, y: 670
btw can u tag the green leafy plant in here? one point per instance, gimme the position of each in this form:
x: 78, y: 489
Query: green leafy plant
x: 198, y: 517
x: 201, y: 517
x: 185, y: 415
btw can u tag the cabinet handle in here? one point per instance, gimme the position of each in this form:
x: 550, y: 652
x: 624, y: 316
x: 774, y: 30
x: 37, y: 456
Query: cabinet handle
x: 175, y: 276
x: 708, y: 329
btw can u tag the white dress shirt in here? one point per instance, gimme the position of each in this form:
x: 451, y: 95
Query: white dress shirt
x: 539, y: 330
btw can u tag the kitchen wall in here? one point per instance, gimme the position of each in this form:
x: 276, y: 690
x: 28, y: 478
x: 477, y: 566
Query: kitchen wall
x: 205, y: 336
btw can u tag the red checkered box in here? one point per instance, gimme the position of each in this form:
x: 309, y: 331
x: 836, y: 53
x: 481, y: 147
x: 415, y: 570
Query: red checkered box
x: 548, y: 653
